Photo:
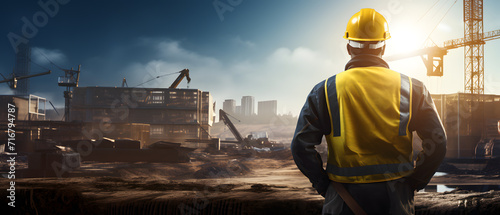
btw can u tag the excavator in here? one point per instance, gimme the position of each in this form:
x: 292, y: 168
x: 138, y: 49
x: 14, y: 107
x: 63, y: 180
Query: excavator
x: 250, y: 141
x: 184, y: 73
x: 489, y: 147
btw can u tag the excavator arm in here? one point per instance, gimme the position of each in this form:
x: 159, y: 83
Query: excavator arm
x: 184, y: 73
x: 224, y: 117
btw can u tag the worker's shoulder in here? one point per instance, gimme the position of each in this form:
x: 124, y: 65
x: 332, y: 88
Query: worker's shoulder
x: 417, y: 83
x: 319, y: 86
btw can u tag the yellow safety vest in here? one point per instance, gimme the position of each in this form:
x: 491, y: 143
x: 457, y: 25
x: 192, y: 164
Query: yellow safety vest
x: 369, y: 108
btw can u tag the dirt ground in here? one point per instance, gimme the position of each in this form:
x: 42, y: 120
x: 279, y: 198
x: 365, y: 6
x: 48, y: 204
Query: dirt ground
x: 267, y: 183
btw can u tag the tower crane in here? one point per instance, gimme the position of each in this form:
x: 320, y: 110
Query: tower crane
x: 473, y: 42
x: 12, y: 82
x: 433, y: 59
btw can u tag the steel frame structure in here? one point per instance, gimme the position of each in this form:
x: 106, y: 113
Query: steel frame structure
x: 474, y: 47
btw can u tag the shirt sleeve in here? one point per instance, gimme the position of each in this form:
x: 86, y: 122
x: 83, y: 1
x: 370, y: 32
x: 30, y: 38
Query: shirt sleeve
x: 311, y: 127
x: 426, y: 122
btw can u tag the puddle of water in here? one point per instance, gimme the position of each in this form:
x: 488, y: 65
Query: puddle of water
x: 437, y: 174
x: 445, y: 188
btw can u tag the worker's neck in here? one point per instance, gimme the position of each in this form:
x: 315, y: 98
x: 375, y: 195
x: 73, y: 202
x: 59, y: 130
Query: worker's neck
x: 365, y: 60
x: 366, y: 55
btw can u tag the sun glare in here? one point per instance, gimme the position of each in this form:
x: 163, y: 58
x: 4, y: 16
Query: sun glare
x: 404, y: 40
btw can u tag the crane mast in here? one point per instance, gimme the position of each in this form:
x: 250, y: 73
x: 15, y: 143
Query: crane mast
x: 474, y: 48
x: 473, y: 43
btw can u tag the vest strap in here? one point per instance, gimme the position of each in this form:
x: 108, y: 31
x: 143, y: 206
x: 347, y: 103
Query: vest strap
x: 369, y: 170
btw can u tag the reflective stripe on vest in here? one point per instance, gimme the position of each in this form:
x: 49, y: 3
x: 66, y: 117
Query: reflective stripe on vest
x: 404, y: 105
x: 369, y: 139
x: 367, y: 170
x: 333, y: 107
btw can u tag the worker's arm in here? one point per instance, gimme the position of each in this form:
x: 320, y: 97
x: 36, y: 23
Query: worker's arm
x: 425, y: 120
x: 308, y: 133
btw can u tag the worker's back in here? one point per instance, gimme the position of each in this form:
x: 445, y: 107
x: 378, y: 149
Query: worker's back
x: 369, y: 109
x: 367, y: 114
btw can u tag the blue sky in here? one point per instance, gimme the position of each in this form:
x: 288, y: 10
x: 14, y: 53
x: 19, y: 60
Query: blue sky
x: 268, y: 49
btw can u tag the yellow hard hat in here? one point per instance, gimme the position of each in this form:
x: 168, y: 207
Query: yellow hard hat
x: 367, y: 25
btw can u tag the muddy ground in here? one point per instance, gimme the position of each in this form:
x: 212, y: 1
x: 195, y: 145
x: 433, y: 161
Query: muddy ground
x: 268, y: 183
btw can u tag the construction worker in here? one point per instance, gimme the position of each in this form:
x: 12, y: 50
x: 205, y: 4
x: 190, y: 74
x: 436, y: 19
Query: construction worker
x: 367, y: 114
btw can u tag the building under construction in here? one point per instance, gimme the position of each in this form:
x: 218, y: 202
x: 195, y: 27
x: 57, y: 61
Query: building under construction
x: 468, y: 120
x: 172, y: 114
x: 28, y: 109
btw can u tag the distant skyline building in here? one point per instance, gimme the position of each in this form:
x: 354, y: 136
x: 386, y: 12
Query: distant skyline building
x: 247, y: 106
x: 229, y: 106
x: 268, y: 108
x: 237, y: 110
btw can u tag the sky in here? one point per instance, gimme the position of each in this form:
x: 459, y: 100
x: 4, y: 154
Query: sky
x: 272, y: 50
